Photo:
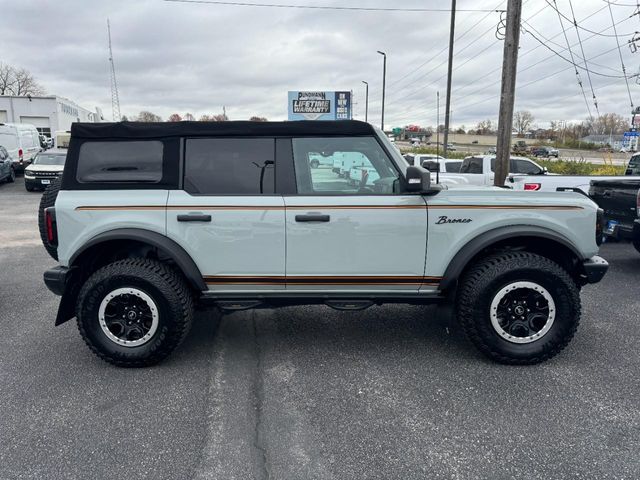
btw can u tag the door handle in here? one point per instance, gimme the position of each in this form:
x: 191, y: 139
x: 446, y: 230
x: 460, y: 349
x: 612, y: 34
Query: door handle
x: 192, y: 217
x: 312, y: 218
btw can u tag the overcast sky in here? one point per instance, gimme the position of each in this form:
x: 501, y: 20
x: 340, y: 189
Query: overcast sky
x: 189, y: 57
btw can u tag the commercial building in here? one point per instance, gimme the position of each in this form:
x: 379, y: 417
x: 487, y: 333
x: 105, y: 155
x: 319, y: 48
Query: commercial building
x: 49, y: 114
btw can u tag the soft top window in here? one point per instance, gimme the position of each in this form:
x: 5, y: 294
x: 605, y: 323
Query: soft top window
x: 120, y: 162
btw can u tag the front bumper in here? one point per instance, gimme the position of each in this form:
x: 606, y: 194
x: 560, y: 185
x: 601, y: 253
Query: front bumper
x: 38, y: 182
x: 594, y: 269
x: 57, y: 279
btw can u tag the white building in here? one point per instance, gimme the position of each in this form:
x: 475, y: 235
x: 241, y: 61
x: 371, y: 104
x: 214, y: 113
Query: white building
x: 49, y: 114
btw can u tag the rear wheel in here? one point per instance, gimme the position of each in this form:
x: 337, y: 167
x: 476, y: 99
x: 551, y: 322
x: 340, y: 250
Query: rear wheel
x: 134, y: 312
x: 636, y: 243
x: 518, y: 307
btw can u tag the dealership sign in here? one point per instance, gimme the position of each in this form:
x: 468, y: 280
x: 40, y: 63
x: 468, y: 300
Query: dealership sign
x: 313, y: 105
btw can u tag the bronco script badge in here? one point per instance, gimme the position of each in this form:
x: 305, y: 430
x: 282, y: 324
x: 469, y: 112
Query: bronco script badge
x: 445, y: 219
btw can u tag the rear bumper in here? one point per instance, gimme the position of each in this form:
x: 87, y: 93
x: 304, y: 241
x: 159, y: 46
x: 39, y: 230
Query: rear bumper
x: 57, y: 279
x: 594, y: 269
x: 622, y: 231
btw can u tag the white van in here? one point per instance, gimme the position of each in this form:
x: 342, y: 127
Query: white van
x: 22, y: 141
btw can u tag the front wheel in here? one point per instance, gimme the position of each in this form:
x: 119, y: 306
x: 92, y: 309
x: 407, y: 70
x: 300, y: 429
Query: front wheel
x: 134, y: 312
x: 12, y: 176
x: 518, y: 307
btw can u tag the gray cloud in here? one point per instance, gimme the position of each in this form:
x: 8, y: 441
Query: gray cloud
x: 176, y: 57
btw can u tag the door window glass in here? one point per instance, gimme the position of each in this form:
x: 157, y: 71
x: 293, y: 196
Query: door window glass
x: 122, y: 162
x: 356, y: 165
x: 525, y: 167
x: 471, y: 165
x: 229, y: 166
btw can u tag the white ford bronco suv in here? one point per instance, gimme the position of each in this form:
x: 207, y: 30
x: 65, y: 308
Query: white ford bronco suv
x: 150, y: 219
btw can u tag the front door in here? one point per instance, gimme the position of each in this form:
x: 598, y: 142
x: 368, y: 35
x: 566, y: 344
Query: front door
x: 227, y: 216
x: 352, y: 231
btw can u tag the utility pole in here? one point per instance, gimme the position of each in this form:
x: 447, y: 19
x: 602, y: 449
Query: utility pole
x: 384, y: 81
x: 507, y: 91
x: 437, y: 123
x: 366, y: 104
x: 449, y: 69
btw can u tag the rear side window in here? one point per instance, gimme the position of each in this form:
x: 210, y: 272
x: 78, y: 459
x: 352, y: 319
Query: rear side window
x: 121, y: 162
x: 229, y: 166
x: 523, y: 166
x: 453, y: 167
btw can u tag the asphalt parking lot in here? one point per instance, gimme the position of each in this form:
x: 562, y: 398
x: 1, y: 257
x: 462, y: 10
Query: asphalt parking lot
x: 306, y: 393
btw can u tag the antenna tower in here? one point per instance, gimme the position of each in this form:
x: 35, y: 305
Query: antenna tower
x: 115, y: 98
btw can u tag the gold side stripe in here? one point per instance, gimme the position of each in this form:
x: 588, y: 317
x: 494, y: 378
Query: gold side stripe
x: 329, y: 207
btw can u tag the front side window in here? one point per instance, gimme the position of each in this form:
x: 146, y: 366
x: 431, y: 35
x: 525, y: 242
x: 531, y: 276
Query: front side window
x: 358, y: 165
x: 229, y: 166
x: 526, y: 167
x: 471, y: 165
x: 121, y: 162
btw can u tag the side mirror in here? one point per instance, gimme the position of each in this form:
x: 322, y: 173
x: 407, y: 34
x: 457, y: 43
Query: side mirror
x: 417, y: 180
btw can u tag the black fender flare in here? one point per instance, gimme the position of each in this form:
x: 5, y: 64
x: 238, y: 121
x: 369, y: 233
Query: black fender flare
x: 486, y: 239
x: 172, y: 249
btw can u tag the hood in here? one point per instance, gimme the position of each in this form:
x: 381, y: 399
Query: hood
x: 45, y: 168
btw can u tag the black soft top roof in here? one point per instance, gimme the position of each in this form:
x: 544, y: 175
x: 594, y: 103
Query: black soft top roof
x: 195, y: 129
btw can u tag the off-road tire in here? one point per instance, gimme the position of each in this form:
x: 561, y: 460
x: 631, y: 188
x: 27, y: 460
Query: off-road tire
x: 166, y: 287
x: 12, y: 176
x: 482, y: 282
x: 636, y: 243
x: 47, y: 200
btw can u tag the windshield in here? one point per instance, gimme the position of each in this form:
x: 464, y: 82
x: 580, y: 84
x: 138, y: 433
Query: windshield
x: 49, y: 159
x: 393, y: 150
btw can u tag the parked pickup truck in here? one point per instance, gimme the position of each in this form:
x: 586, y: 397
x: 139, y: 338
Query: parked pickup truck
x: 479, y: 169
x: 620, y: 200
x: 551, y: 183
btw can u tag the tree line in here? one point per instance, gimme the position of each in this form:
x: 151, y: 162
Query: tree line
x: 18, y: 81
x: 147, y: 116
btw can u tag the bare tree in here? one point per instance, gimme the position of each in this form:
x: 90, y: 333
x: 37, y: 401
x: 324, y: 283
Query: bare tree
x: 174, y: 117
x: 146, y: 116
x: 188, y: 117
x: 258, y: 119
x: 522, y: 121
x: 18, y: 81
x: 485, y: 127
x: 124, y: 118
x: 206, y: 118
x: 608, y: 123
x: 6, y: 79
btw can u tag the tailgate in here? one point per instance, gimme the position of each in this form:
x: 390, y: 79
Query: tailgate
x: 617, y: 199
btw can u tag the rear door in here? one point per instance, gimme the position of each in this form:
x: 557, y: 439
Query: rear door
x: 353, y: 236
x: 227, y: 216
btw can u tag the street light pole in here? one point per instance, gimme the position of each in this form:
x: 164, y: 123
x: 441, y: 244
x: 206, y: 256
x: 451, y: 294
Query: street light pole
x: 366, y: 104
x: 384, y: 81
x: 449, y: 69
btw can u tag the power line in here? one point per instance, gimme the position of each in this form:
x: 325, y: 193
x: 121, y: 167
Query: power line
x: 462, y: 35
x: 584, y: 95
x: 555, y: 7
x: 626, y: 81
x: 575, y: 23
x: 327, y: 7
x: 530, y: 32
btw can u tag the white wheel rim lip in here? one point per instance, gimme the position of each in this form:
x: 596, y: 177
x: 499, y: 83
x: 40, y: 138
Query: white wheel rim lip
x: 143, y: 296
x: 515, y: 286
